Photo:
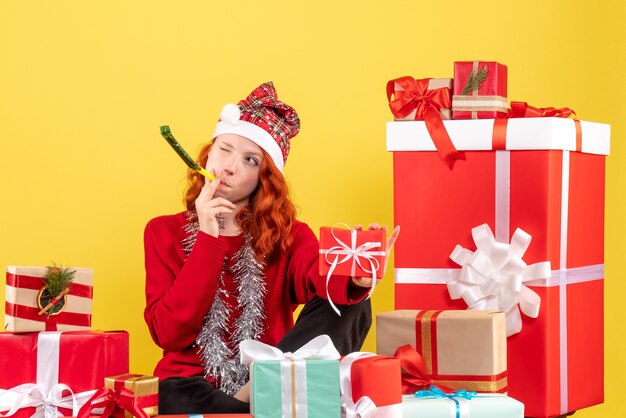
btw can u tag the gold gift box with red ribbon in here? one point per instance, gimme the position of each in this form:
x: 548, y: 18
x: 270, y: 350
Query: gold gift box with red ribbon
x: 460, y: 349
x: 24, y: 287
x: 145, y: 390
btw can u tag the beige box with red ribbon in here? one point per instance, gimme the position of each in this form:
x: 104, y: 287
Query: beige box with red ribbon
x: 26, y: 297
x: 459, y: 349
x: 408, y: 97
x: 517, y: 226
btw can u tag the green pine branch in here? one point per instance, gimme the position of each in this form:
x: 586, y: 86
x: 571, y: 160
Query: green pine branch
x: 58, y: 278
x: 475, y: 80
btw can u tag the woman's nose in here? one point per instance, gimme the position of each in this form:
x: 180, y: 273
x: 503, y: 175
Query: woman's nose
x: 230, y: 164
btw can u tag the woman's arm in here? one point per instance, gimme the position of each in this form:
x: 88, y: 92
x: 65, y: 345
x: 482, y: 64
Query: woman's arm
x: 179, y: 293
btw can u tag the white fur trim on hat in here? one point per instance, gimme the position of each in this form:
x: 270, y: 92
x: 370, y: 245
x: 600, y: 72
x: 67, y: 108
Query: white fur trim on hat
x: 255, y: 134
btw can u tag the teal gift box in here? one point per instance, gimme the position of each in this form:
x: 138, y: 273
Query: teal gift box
x: 491, y: 405
x: 293, y: 388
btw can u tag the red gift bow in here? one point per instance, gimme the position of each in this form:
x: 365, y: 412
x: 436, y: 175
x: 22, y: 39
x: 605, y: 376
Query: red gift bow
x: 524, y: 110
x: 415, y: 376
x: 416, y: 96
x: 109, y: 399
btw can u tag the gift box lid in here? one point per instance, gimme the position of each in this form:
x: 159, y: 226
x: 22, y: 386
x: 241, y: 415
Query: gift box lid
x: 549, y: 133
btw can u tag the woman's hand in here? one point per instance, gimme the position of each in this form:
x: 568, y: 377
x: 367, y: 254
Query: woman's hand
x: 208, y: 207
x: 367, y: 281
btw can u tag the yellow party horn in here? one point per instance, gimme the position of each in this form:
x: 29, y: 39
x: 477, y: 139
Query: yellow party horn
x: 167, y: 134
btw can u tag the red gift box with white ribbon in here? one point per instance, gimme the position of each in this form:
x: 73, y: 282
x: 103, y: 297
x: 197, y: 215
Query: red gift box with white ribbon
x: 370, y: 386
x: 24, y: 286
x: 353, y: 253
x: 50, y: 374
x: 535, y: 186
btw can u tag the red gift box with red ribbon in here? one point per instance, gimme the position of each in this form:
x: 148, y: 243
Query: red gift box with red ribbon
x: 24, y: 287
x: 370, y: 386
x: 57, y: 371
x: 545, y: 176
x: 479, y: 90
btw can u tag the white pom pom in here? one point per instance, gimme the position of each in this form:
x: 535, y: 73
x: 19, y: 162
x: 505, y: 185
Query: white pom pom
x: 230, y: 113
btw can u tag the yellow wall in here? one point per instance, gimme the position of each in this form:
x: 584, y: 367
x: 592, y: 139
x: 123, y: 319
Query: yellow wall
x: 84, y: 87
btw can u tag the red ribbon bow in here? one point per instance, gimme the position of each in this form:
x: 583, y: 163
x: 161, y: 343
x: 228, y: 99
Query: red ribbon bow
x: 524, y: 110
x: 426, y: 103
x: 109, y: 400
x: 415, y: 376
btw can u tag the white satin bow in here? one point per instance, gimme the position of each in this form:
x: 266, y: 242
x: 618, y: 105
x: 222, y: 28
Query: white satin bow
x: 319, y: 348
x: 45, y: 402
x: 493, y: 276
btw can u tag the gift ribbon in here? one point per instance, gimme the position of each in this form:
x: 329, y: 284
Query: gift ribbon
x: 415, y: 376
x: 426, y: 103
x: 459, y: 410
x: 36, y: 283
x: 123, y: 398
x: 293, y: 368
x: 47, y: 394
x: 524, y: 110
x: 50, y: 321
x: 358, y: 255
x: 493, y: 276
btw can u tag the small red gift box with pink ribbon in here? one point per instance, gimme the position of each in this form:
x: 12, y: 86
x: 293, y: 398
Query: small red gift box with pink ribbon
x: 370, y: 386
x: 25, y: 291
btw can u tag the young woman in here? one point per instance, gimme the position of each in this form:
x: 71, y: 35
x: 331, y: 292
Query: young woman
x: 236, y: 264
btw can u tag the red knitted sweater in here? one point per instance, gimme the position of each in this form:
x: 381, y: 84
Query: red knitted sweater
x: 180, y: 292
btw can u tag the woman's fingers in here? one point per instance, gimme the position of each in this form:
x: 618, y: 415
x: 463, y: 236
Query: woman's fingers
x: 213, y: 185
x: 392, y: 238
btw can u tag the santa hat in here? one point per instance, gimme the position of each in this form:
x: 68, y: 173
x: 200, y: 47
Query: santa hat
x: 264, y: 120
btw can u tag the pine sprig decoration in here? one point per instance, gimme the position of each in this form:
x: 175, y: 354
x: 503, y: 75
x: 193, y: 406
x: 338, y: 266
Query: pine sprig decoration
x: 57, y: 279
x: 475, y: 80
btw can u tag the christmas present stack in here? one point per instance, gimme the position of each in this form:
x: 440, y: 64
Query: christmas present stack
x: 501, y: 210
x: 62, y: 363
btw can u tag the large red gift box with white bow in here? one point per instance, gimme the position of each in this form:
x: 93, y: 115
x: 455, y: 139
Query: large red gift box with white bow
x: 534, y: 187
x: 54, y: 373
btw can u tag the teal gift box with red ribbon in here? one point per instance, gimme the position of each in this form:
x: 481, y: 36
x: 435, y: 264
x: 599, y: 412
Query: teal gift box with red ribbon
x: 517, y: 226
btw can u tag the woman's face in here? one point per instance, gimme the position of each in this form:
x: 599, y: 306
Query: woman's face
x: 240, y: 159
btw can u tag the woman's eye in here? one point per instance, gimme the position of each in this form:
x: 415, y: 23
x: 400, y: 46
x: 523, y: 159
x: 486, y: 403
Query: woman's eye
x: 252, y: 160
